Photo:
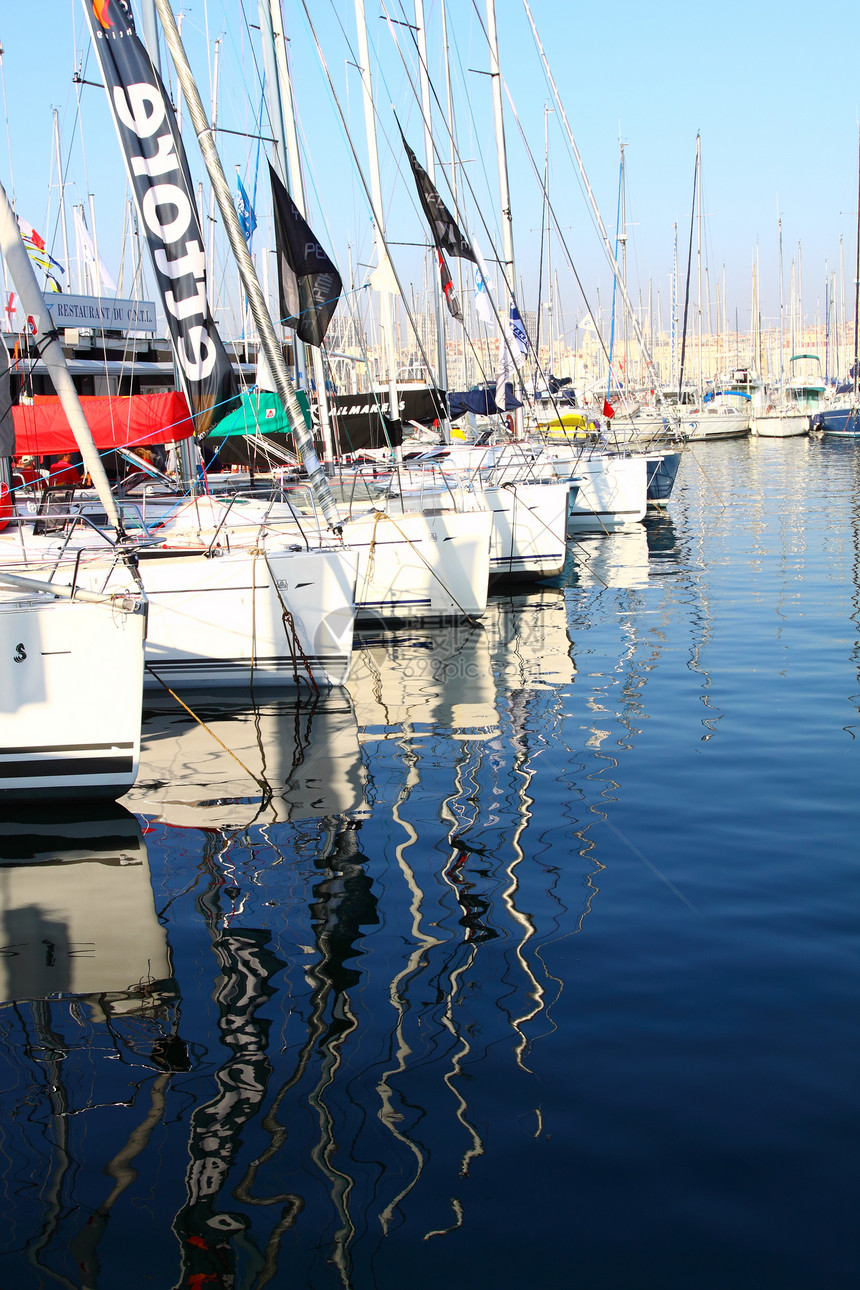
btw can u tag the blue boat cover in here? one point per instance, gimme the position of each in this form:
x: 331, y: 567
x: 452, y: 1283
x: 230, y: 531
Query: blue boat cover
x: 481, y: 401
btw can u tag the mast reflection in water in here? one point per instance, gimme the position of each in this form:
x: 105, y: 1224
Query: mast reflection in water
x: 504, y: 963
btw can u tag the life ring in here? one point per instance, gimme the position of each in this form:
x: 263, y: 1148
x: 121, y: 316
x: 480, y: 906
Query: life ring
x: 509, y: 422
x: 7, y: 508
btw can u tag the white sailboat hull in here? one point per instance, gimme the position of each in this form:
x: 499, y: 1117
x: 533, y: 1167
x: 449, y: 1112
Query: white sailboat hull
x: 248, y: 617
x: 779, y: 425
x: 529, y: 529
x: 420, y: 567
x: 613, y: 492
x: 70, y: 700
x: 722, y: 424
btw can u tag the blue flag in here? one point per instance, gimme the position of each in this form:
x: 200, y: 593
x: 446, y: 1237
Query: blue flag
x: 245, y: 210
x: 518, y: 330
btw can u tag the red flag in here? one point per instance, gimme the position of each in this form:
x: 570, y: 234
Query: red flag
x: 28, y: 232
x: 608, y: 410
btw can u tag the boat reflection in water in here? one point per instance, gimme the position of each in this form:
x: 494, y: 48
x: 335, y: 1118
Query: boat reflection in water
x: 222, y: 763
x: 89, y: 1017
x: 362, y: 910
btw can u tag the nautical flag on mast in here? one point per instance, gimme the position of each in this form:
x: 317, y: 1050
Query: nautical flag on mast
x: 30, y: 236
x: 38, y: 253
x: 483, y: 307
x: 446, y: 234
x: 309, y: 284
x: 245, y: 210
x: 448, y: 288
x: 517, y: 329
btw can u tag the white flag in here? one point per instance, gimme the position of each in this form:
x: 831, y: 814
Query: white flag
x: 96, y: 273
x: 483, y: 308
x: 504, y: 373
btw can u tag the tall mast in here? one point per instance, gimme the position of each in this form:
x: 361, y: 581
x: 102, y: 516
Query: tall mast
x: 216, y: 59
x: 699, y: 262
x: 449, y: 110
x: 781, y: 316
x: 283, y: 118
x: 383, y: 269
x: 607, y: 245
x: 430, y: 167
x: 674, y: 304
x: 501, y: 152
x: 551, y: 368
x: 62, y: 194
x: 857, y: 279
x: 504, y: 191
x: 622, y: 238
x: 247, y: 272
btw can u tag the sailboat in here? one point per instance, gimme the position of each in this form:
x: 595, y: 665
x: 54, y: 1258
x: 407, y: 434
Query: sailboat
x: 266, y: 611
x: 842, y: 416
x: 71, y: 677
x: 782, y: 417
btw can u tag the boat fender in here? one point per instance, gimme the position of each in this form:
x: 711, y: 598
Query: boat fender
x: 7, y: 509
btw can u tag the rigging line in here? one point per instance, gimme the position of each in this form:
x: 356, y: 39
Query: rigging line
x: 484, y: 372
x: 503, y: 328
x: 596, y: 216
x: 689, y: 274
x: 558, y: 229
x: 504, y: 331
x: 404, y: 301
x: 264, y: 788
x: 6, y: 118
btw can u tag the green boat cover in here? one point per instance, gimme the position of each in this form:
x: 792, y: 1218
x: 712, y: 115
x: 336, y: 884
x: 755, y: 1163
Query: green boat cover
x: 259, y: 411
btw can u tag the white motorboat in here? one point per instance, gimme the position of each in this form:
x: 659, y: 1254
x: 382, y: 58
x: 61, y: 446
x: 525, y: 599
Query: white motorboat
x: 714, y: 423
x: 779, y: 423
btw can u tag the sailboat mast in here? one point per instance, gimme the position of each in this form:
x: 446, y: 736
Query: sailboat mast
x: 504, y: 190
x: 385, y: 294
x: 449, y: 112
x: 607, y: 246
x: 247, y: 272
x: 781, y: 321
x: 699, y: 266
x: 551, y: 367
x: 430, y: 167
x: 283, y: 117
x: 622, y: 238
x: 857, y: 281
x: 24, y: 277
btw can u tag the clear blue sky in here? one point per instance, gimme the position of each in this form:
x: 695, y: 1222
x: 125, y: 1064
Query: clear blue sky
x: 770, y: 88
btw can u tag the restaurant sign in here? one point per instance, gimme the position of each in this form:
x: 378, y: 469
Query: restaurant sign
x: 99, y: 313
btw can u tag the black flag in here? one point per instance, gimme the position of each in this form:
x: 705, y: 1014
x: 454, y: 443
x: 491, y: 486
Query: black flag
x: 310, y: 285
x: 448, y: 288
x: 446, y: 234
x: 164, y: 194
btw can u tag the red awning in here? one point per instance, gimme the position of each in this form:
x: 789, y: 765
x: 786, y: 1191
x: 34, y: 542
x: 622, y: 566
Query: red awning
x: 41, y: 428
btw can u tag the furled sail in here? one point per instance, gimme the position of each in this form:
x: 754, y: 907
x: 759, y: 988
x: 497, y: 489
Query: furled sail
x: 164, y: 193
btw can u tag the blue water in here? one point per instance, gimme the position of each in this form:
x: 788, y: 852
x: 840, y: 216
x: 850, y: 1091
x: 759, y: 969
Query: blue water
x: 531, y: 961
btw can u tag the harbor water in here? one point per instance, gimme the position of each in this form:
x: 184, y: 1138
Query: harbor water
x: 529, y: 959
